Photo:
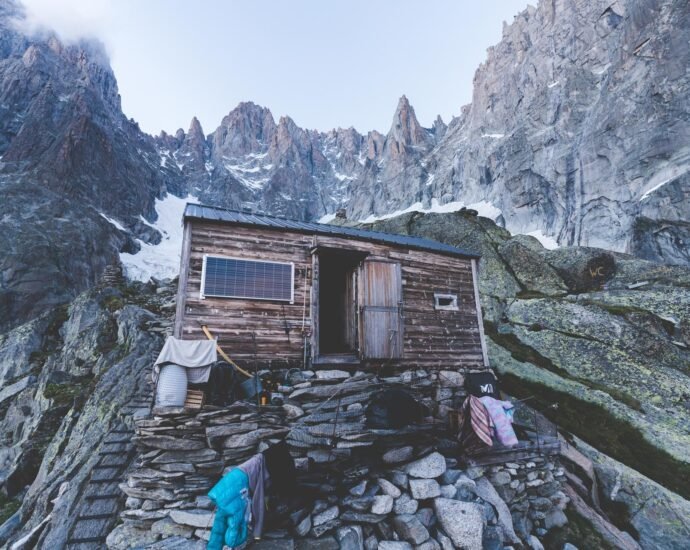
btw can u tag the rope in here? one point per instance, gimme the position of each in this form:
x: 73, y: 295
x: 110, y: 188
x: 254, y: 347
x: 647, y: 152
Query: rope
x: 222, y: 353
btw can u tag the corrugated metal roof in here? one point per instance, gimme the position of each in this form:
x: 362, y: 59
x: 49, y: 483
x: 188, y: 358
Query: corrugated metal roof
x: 202, y: 212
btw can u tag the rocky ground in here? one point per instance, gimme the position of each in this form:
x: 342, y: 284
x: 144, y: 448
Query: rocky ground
x: 68, y: 378
x: 596, y: 341
x: 599, y: 342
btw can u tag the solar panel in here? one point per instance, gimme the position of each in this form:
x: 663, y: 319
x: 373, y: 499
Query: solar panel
x: 225, y: 277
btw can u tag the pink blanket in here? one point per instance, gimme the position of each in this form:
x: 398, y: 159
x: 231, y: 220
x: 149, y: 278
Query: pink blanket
x: 502, y: 422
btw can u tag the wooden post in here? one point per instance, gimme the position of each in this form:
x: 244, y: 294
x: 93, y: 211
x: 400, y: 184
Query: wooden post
x: 478, y: 305
x: 314, y: 306
x: 182, y: 281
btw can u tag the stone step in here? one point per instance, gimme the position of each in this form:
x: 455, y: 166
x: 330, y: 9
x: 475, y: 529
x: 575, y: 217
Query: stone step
x: 104, y: 497
x: 94, y: 516
x: 100, y: 538
x: 112, y: 480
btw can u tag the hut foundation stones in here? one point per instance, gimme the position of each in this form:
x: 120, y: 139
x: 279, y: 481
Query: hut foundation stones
x: 358, y: 487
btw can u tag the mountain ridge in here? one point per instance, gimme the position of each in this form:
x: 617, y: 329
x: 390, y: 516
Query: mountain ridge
x: 520, y: 148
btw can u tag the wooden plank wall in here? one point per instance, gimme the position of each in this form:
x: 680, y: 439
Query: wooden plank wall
x: 270, y: 333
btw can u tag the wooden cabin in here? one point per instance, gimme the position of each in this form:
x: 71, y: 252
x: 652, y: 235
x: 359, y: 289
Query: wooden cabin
x: 281, y: 293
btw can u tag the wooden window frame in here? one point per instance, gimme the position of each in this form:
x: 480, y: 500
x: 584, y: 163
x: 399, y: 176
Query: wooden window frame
x: 453, y: 306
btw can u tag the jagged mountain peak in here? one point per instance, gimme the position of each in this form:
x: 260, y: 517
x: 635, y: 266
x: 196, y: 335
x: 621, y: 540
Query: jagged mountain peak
x: 406, y: 129
x: 195, y: 127
x: 584, y: 146
x: 247, y: 111
x: 247, y: 129
x: 439, y: 128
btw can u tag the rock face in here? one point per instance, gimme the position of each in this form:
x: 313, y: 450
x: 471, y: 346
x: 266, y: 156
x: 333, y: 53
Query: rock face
x: 656, y: 510
x: 87, y: 367
x: 590, y: 341
x: 578, y: 128
x: 68, y: 155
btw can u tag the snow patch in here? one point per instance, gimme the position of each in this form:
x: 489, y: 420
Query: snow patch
x: 250, y: 173
x: 343, y: 177
x: 328, y: 218
x: 494, y: 136
x: 552, y: 84
x: 483, y: 208
x: 257, y: 155
x: 114, y: 222
x: 162, y: 260
x: 146, y: 222
x: 547, y: 242
x: 416, y: 207
x: 661, y: 178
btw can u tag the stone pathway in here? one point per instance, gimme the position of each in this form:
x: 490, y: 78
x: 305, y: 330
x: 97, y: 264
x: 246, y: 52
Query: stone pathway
x: 102, y: 500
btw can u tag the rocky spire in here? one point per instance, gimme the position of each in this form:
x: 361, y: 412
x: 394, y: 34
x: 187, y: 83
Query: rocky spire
x: 195, y: 130
x: 406, y: 133
x: 406, y: 129
x: 439, y: 128
x: 195, y: 138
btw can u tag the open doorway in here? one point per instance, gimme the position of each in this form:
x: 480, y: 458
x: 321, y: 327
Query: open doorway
x: 337, y: 331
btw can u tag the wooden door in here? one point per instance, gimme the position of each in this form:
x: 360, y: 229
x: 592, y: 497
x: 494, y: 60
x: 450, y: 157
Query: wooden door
x: 380, y: 307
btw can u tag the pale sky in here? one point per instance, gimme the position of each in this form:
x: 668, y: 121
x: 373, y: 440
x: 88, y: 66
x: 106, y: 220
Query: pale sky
x: 324, y: 63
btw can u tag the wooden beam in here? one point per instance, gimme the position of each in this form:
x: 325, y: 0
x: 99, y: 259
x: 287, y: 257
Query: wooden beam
x: 182, y: 281
x: 480, y: 319
x: 611, y: 533
x: 314, y: 307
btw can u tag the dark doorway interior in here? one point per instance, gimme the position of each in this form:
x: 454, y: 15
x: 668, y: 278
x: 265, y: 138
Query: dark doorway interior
x: 337, y: 302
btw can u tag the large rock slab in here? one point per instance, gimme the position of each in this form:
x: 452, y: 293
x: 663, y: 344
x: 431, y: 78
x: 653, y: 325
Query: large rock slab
x: 530, y: 268
x: 654, y: 510
x: 463, y: 522
x: 582, y: 268
x: 429, y: 467
x: 486, y: 491
x: 193, y: 518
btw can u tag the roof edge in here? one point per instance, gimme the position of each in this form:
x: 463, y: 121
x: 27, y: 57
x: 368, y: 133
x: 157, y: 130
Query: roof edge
x: 250, y: 219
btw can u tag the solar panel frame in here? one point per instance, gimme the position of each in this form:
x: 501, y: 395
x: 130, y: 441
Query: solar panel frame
x: 247, y: 279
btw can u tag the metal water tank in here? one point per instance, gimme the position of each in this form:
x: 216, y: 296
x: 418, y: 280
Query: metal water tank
x: 172, y: 386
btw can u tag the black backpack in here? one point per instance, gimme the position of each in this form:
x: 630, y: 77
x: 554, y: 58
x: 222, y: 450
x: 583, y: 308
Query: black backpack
x: 222, y: 386
x: 481, y: 384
